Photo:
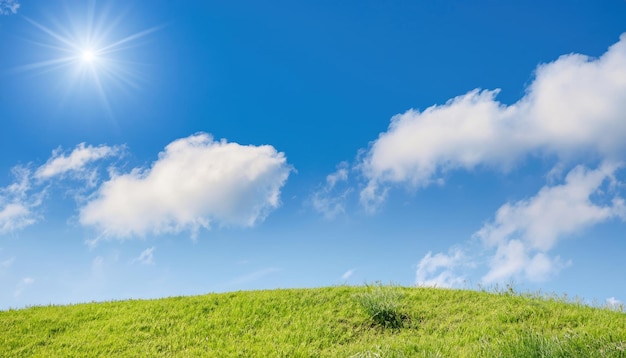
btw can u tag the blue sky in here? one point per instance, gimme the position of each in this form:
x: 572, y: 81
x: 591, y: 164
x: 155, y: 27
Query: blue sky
x: 157, y: 149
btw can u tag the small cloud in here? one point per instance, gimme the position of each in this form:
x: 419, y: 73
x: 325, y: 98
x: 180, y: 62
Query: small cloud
x: 513, y: 258
x: 146, y: 257
x: 19, y: 202
x: 16, y: 205
x: 9, y: 7
x: 76, y: 162
x: 5, y: 264
x: 22, y: 285
x: 556, y: 173
x: 340, y: 175
x: 440, y: 270
x: 328, y: 200
x: 97, y: 265
x: 614, y: 303
x: 346, y: 276
x: 253, y: 276
x: 15, y: 216
x: 195, y: 182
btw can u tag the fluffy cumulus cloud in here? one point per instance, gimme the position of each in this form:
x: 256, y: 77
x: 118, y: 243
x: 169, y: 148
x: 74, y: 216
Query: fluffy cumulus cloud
x: 555, y: 211
x: 574, y: 107
x: 195, y: 182
x: 572, y: 112
x: 518, y: 241
x: 524, y: 231
x: 75, y: 162
x: 441, y: 270
x: 8, y: 7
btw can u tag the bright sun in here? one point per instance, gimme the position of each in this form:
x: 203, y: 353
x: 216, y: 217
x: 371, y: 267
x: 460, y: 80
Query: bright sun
x: 89, y: 51
x: 88, y: 56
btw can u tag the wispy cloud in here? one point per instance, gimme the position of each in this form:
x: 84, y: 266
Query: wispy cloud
x: 75, y: 162
x: 22, y: 285
x: 5, y: 264
x: 346, y: 276
x: 97, y: 265
x: 195, y: 182
x: 146, y: 257
x: 15, y: 216
x: 20, y: 201
x: 329, y: 200
x: 17, y: 207
x: 573, y: 110
x: 253, y: 276
x: 9, y: 7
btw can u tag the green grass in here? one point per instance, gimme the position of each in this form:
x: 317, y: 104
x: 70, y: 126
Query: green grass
x: 325, y: 322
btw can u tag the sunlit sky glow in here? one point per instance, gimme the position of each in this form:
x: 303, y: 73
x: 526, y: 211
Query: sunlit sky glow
x: 88, y: 55
x: 90, y: 48
x: 154, y: 149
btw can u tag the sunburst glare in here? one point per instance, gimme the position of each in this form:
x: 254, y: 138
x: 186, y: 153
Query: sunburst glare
x: 91, y: 50
x: 88, y: 56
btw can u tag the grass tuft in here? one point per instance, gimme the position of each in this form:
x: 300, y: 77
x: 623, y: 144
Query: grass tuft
x: 383, y: 305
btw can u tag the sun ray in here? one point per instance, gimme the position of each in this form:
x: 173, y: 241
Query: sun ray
x: 112, y: 47
x: 91, y: 50
x: 60, y: 38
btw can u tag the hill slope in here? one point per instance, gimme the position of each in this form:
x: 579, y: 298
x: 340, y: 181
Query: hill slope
x: 340, y: 321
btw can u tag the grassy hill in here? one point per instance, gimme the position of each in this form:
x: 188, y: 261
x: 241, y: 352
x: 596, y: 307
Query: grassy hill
x: 370, y: 321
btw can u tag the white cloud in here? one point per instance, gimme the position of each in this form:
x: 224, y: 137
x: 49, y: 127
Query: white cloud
x: 22, y: 285
x: 21, y: 185
x: 146, y: 257
x: 338, y: 176
x: 512, y: 259
x: 614, y: 303
x: 8, y: 7
x: 14, y: 216
x: 19, y: 202
x: 195, y: 182
x: 517, y: 242
x: 348, y: 274
x: 574, y: 108
x: 16, y: 207
x: 97, y: 265
x: 75, y: 162
x: 440, y: 270
x: 5, y: 264
x: 328, y: 200
x: 522, y: 232
x: 253, y: 276
x: 553, y: 212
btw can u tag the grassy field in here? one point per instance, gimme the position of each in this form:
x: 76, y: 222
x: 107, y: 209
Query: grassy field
x: 343, y: 321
